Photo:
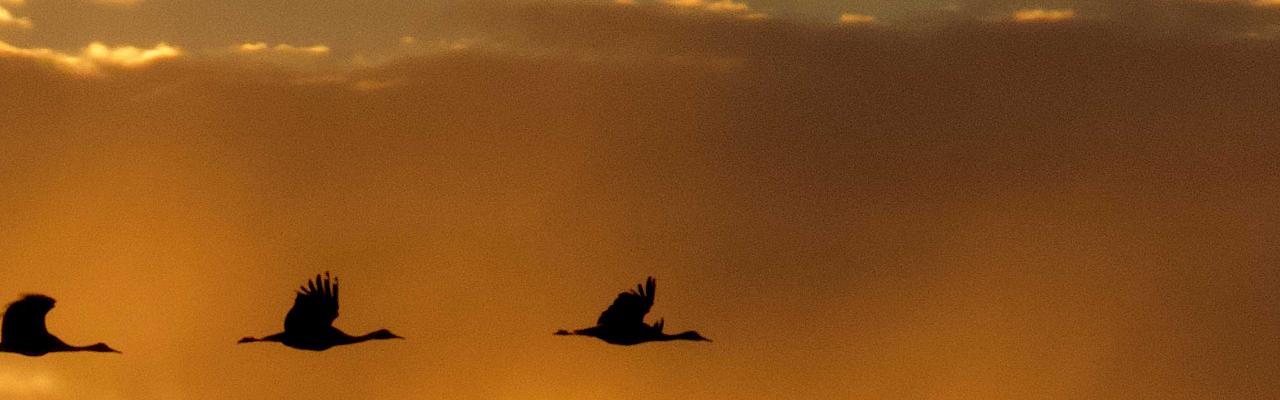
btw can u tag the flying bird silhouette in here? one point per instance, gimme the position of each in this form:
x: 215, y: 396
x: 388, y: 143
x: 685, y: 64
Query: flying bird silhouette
x: 623, y: 322
x: 23, y: 330
x: 309, y: 324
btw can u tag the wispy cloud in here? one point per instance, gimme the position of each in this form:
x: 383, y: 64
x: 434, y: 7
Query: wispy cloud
x: 93, y: 57
x: 718, y: 6
x: 1038, y: 15
x: 684, y: 3
x: 117, y: 2
x: 129, y: 56
x: 856, y: 19
x: 727, y: 6
x: 7, y: 19
x: 23, y: 383
x: 283, y: 48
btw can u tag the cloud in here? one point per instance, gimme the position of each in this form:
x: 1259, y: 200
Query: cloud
x: 1259, y: 3
x: 1034, y: 15
x: 727, y: 6
x: 117, y: 2
x: 284, y: 48
x: 856, y: 19
x: 7, y: 19
x: 738, y: 8
x: 93, y: 57
x: 252, y: 47
x: 684, y: 3
x: 25, y: 383
x: 129, y: 56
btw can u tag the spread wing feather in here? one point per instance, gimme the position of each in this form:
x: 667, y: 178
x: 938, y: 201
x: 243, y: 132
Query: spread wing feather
x: 630, y: 306
x: 315, y: 307
x: 24, y: 319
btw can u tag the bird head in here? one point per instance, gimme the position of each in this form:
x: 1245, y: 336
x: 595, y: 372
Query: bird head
x: 692, y: 335
x: 384, y: 334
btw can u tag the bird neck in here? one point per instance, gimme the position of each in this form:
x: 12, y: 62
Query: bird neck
x: 345, y: 339
x: 97, y: 348
x: 357, y: 339
x: 375, y: 335
x: 57, y: 345
x: 690, y: 335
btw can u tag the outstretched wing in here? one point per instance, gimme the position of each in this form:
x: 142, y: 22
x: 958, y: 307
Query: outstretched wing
x: 630, y: 306
x: 315, y: 307
x: 24, y: 319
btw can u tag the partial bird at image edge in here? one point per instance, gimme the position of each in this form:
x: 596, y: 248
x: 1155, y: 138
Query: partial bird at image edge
x: 23, y: 330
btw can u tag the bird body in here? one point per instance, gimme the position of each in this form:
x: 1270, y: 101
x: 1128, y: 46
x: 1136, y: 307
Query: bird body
x: 321, y: 340
x: 23, y: 330
x: 309, y: 324
x: 623, y: 322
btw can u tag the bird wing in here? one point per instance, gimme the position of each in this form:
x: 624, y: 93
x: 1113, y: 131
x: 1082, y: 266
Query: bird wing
x: 630, y: 306
x: 24, y: 319
x: 315, y: 307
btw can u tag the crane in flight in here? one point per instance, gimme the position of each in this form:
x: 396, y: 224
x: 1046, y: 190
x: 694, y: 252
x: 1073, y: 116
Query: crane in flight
x: 309, y: 324
x: 23, y: 330
x: 623, y: 322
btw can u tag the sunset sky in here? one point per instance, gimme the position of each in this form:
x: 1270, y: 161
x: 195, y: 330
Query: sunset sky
x: 881, y: 199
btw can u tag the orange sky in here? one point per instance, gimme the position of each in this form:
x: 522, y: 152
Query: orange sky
x: 959, y: 206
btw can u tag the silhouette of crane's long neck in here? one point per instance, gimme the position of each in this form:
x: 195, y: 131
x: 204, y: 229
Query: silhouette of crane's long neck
x: 690, y: 335
x: 360, y: 339
x: 367, y: 337
x: 57, y: 345
x: 97, y: 348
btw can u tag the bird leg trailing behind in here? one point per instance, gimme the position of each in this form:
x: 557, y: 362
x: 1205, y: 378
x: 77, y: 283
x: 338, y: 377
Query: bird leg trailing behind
x: 251, y: 339
x: 578, y: 332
